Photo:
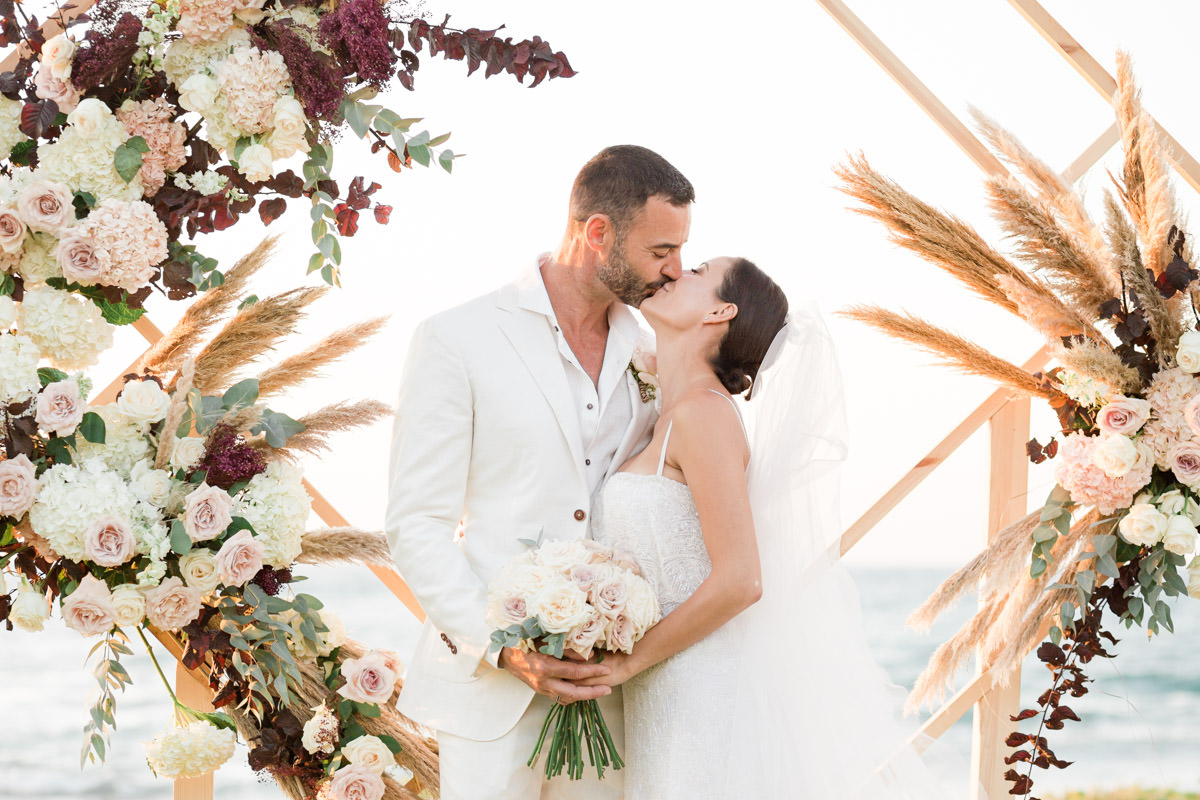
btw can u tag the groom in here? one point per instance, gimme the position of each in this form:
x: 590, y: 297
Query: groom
x: 513, y: 410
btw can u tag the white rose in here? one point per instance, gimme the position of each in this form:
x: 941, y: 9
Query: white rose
x: 1172, y: 502
x: 150, y: 485
x: 642, y: 606
x: 130, y: 605
x: 1181, y: 536
x: 89, y: 118
x: 256, y: 163
x: 199, y: 570
x: 1188, y: 354
x: 321, y: 732
x: 198, y: 93
x: 1193, y: 511
x: 30, y: 610
x: 289, y: 128
x: 1115, y: 455
x: 57, y: 54
x: 369, y: 752
x: 187, y: 452
x: 333, y: 638
x: 524, y: 580
x: 1144, y: 525
x: 560, y: 555
x: 559, y: 606
x: 144, y: 401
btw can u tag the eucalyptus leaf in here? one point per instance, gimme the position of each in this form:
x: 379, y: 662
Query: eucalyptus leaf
x: 277, y: 427
x: 241, y: 394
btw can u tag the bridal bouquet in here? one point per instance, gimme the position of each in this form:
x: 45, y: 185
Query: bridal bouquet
x: 578, y: 598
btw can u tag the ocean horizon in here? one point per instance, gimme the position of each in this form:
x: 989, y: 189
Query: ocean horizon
x: 1138, y: 723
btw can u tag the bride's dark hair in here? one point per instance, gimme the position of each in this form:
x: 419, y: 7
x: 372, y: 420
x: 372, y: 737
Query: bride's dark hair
x: 762, y: 310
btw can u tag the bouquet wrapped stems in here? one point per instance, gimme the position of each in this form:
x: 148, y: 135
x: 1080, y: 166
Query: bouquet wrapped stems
x: 576, y: 725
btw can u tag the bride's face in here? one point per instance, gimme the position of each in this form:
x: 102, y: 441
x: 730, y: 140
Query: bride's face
x: 687, y: 302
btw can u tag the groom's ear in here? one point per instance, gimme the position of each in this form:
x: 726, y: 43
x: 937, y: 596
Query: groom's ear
x: 598, y: 231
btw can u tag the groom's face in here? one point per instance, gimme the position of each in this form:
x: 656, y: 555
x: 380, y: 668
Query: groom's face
x: 645, y: 256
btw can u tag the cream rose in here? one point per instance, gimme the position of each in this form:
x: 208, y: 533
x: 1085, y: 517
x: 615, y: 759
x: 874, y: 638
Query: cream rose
x: 60, y: 409
x: 76, y: 255
x: 239, y: 559
x: 1144, y: 525
x: 89, y: 118
x: 1172, y: 502
x: 187, y: 453
x: 199, y: 570
x: 46, y: 206
x: 505, y: 610
x: 1188, y: 354
x: 129, y: 604
x: 321, y: 731
x: 610, y: 596
x: 57, y: 55
x: 198, y: 93
x: 18, y: 486
x: 1181, y: 535
x: 290, y: 125
x: 642, y: 608
x: 12, y: 231
x: 144, y: 401
x: 369, y: 752
x: 559, y: 555
x: 559, y: 606
x: 207, y: 513
x: 30, y: 610
x: 89, y: 609
x: 356, y: 783
x: 109, y: 541
x: 256, y: 163
x: 1115, y: 455
x: 1184, y: 460
x: 335, y: 636
x: 368, y: 679
x: 171, y: 605
x: 150, y: 485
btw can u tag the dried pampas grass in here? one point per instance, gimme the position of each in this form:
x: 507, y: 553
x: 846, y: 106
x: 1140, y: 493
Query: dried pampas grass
x: 166, y: 441
x: 1100, y: 364
x: 953, y: 349
x: 1165, y: 326
x: 319, y: 425
x: 1047, y: 315
x: 307, y: 364
x: 337, y: 545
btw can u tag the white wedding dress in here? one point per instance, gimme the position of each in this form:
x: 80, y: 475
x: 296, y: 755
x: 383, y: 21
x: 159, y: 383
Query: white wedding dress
x: 785, y: 700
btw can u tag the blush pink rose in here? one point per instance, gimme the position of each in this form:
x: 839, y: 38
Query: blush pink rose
x: 46, y: 207
x: 171, y: 605
x: 610, y: 596
x: 1184, y: 461
x: 620, y: 634
x: 585, y: 576
x: 18, y: 486
x: 368, y: 679
x: 239, y: 559
x: 59, y: 407
x: 1191, y: 414
x: 109, y: 542
x: 48, y: 87
x: 356, y: 783
x: 207, y: 513
x: 583, y: 638
x: 76, y: 253
x: 89, y: 610
x: 1123, y: 415
x: 12, y: 231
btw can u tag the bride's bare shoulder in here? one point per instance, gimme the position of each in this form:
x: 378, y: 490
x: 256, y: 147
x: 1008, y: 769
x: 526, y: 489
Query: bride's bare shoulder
x: 705, y: 416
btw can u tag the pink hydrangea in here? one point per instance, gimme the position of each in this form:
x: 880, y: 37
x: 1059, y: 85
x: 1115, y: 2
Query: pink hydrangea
x: 128, y: 241
x: 1088, y: 484
x: 250, y: 82
x: 151, y: 119
x: 1169, y: 394
x: 205, y: 20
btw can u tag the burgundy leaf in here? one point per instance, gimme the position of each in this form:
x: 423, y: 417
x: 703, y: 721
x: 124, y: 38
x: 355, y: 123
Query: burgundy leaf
x: 271, y: 210
x: 383, y: 214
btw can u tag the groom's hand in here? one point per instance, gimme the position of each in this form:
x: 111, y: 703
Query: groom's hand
x: 553, y: 677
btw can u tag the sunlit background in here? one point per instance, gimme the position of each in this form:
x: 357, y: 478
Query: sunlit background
x: 755, y: 102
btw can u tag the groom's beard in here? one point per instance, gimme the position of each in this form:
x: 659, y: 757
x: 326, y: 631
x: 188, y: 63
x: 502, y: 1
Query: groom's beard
x: 622, y: 279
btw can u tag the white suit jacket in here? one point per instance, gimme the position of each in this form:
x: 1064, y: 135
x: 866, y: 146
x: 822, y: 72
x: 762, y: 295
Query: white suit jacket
x: 486, y: 433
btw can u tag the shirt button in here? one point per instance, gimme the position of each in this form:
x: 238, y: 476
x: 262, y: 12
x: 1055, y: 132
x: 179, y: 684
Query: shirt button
x: 587, y: 461
x: 580, y: 514
x: 590, y: 406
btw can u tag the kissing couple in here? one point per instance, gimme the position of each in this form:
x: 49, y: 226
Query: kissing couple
x: 526, y: 411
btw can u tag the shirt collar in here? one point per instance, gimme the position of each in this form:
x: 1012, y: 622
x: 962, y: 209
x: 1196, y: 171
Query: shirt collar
x: 623, y: 328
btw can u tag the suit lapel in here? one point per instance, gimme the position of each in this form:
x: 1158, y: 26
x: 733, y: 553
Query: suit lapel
x: 640, y: 422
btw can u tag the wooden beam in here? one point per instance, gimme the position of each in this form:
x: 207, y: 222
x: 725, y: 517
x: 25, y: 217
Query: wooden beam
x: 50, y: 28
x: 912, y: 85
x: 947, y: 715
x: 1094, y: 152
x: 1099, y: 78
x: 194, y: 694
x: 940, y: 452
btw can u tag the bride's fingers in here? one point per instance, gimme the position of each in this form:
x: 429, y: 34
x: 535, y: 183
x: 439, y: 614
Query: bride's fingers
x: 566, y: 693
x: 575, y: 670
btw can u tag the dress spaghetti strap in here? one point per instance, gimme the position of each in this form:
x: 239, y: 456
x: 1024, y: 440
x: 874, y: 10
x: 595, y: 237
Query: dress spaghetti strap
x: 735, y: 411
x: 662, y: 457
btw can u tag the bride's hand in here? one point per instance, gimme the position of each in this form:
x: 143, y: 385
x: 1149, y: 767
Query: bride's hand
x: 621, y: 668
x: 558, y: 679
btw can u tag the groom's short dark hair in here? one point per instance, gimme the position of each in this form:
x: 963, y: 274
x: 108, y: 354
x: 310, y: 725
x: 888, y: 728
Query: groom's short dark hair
x: 620, y: 179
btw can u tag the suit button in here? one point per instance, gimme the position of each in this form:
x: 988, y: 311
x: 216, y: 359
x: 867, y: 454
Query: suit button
x: 450, y: 644
x: 580, y: 514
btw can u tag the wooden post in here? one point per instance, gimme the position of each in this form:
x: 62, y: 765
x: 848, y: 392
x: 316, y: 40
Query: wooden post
x: 194, y: 694
x: 1006, y: 504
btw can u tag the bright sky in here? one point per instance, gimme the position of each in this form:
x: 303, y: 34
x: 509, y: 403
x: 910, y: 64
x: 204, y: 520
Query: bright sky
x: 755, y: 103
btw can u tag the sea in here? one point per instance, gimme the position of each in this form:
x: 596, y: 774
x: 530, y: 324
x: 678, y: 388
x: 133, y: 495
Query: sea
x: 1140, y: 723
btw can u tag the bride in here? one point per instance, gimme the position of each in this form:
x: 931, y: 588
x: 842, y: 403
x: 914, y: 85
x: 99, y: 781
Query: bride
x: 758, y: 681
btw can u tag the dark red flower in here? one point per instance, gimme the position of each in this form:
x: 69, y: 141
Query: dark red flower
x: 103, y: 57
x: 317, y: 78
x: 228, y: 459
x: 357, y: 33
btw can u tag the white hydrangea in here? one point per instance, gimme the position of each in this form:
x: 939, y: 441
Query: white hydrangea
x: 11, y: 186
x: 195, y: 749
x: 39, y: 260
x: 125, y: 442
x: 85, y: 162
x: 18, y: 368
x: 206, y: 182
x: 186, y: 58
x: 276, y: 504
x: 10, y: 126
x: 71, y: 497
x: 69, y: 330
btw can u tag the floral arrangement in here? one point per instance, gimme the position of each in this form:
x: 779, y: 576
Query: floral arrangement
x: 580, y: 598
x: 1117, y: 306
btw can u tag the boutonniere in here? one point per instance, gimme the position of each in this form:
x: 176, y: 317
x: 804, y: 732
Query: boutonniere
x: 642, y: 367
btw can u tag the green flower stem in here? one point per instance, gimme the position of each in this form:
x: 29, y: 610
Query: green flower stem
x: 179, y: 707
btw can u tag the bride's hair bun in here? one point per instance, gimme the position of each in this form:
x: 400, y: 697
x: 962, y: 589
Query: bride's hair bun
x: 762, y: 310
